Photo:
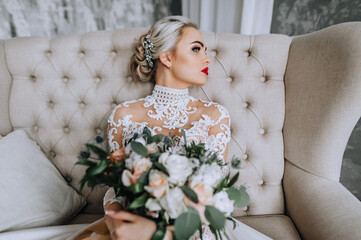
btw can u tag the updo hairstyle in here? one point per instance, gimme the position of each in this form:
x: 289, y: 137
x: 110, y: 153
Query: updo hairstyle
x: 164, y: 35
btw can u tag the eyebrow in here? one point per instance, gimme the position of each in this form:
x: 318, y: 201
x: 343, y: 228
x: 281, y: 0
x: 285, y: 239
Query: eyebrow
x: 199, y: 43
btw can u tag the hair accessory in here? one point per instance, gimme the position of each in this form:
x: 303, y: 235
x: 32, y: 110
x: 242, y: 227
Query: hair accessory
x: 148, y: 45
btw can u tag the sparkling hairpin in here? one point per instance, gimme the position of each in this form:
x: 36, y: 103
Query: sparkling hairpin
x: 148, y: 45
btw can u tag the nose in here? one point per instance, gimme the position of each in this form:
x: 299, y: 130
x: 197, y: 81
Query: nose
x: 207, y: 59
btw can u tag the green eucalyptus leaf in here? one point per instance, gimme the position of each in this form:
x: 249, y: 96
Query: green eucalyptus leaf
x: 139, y: 201
x: 138, y: 148
x: 135, y: 188
x: 95, y: 170
x: 240, y: 196
x: 215, y: 217
x: 233, y: 180
x: 184, y: 136
x: 222, y: 185
x: 85, y: 162
x: 186, y: 224
x: 97, y: 150
x: 143, y: 179
x: 190, y: 193
x: 161, y: 168
x: 159, y: 234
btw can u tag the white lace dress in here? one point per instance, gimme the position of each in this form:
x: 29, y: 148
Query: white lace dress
x: 167, y: 111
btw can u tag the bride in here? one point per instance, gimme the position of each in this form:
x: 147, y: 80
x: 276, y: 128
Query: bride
x: 173, y: 55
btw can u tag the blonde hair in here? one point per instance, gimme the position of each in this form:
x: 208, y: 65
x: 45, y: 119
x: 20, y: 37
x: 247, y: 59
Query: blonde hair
x: 164, y: 35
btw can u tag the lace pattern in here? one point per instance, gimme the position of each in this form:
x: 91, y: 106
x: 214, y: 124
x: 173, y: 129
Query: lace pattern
x: 171, y: 109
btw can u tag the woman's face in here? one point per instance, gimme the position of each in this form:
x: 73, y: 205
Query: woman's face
x: 190, y: 61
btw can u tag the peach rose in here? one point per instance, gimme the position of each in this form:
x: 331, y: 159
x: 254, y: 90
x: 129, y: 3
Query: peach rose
x: 204, y: 192
x: 139, y: 167
x: 158, y: 184
x: 117, y: 155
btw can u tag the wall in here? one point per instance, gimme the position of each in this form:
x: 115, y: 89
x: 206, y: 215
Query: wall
x: 296, y: 17
x: 59, y: 17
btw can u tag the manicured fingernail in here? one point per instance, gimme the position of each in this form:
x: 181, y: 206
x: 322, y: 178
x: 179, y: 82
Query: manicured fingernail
x: 109, y: 212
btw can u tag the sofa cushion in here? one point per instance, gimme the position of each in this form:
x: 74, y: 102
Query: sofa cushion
x: 33, y: 193
x: 275, y: 226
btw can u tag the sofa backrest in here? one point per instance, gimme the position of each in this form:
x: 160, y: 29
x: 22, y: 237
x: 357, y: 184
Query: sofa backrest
x: 62, y: 90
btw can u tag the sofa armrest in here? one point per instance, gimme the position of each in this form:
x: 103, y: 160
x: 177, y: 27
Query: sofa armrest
x: 320, y: 208
x: 323, y: 96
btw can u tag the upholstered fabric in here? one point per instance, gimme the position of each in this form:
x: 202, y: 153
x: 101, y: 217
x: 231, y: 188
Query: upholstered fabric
x: 73, y: 82
x: 278, y: 227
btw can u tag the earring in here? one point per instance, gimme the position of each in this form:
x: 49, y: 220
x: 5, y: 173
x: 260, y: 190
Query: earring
x: 170, y: 66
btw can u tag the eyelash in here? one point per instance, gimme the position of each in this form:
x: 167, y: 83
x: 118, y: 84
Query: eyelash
x: 198, y: 49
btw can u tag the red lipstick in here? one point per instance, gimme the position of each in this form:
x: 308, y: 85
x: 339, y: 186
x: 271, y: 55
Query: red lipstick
x: 205, y: 71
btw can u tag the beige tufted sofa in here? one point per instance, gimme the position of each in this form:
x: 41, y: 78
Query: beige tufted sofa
x: 293, y: 104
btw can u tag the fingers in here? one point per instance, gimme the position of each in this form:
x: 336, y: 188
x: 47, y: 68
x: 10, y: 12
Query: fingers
x: 121, y: 215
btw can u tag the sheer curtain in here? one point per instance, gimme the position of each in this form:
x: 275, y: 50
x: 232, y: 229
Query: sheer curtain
x: 230, y: 16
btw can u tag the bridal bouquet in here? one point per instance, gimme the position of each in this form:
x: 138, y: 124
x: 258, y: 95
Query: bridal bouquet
x: 172, y: 184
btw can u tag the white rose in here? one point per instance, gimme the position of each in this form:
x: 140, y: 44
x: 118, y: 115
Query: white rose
x: 208, y: 174
x: 128, y: 149
x: 141, y: 140
x: 152, y: 148
x: 173, y: 203
x: 178, y: 167
x: 131, y: 159
x: 153, y: 205
x: 194, y: 162
x: 222, y: 202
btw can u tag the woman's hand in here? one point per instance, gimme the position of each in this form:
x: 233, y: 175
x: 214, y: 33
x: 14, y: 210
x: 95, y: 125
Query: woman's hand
x: 129, y: 226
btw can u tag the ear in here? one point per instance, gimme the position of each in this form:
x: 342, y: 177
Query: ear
x: 166, y: 58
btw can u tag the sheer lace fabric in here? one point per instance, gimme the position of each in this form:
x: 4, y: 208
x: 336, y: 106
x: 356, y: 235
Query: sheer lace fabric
x: 167, y: 111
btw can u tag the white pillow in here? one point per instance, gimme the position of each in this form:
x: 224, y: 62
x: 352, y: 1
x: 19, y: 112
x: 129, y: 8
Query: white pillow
x: 32, y: 191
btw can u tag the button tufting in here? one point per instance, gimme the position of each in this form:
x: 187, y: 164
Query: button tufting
x: 130, y: 79
x: 261, y: 131
x: 260, y: 182
x: 229, y: 79
x: 244, y: 156
x: 97, y: 79
x: 51, y: 104
x: 35, y: 128
x: 33, y: 78
x: 68, y: 179
x: 52, y: 153
x: 98, y: 130
x: 245, y: 209
x: 66, y: 130
x: 82, y: 53
x: 82, y: 104
x: 48, y: 53
x: 65, y: 79
x: 247, y: 53
x: 245, y: 105
x: 113, y: 53
x: 114, y: 105
x: 262, y: 79
x: 213, y: 53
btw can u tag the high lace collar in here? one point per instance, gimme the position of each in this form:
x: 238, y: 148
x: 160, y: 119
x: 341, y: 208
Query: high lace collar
x: 169, y: 95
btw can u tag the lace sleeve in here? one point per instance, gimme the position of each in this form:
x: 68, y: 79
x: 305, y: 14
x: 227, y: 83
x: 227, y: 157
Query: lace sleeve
x: 110, y: 197
x: 220, y: 133
x: 115, y: 129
